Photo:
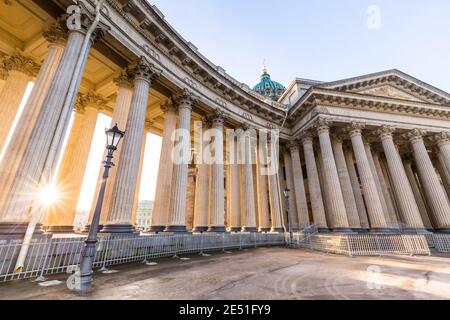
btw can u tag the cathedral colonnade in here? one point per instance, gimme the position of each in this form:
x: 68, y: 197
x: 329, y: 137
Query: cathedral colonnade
x: 353, y: 161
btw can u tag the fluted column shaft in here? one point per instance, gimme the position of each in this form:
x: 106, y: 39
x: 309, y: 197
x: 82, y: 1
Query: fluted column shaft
x: 346, y: 185
x: 371, y: 195
x: 443, y: 143
x: 433, y: 189
x: 138, y: 180
x: 263, y: 190
x: 73, y: 167
x: 417, y: 194
x: 21, y: 69
x: 121, y: 209
x: 177, y: 209
x: 160, y: 215
x: 44, y: 146
x: 274, y: 189
x: 10, y: 98
x: 356, y: 186
x: 217, y: 192
x: 201, y: 202
x: 299, y: 193
x: 333, y: 188
x: 405, y: 196
x: 19, y: 140
x: 234, y: 194
x: 190, y: 199
x: 443, y: 172
x: 248, y: 200
x: 315, y: 193
x: 292, y: 205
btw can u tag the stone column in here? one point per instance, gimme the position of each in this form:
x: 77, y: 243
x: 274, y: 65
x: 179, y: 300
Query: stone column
x: 120, y: 211
x: 371, y: 195
x: 292, y: 209
x: 248, y: 196
x: 42, y: 150
x: 439, y: 163
x: 262, y: 187
x: 332, y: 185
x: 160, y: 215
x: 21, y: 69
x: 433, y: 190
x: 298, y: 192
x: 217, y: 192
x: 443, y: 143
x: 190, y: 199
x: 405, y: 196
x: 185, y: 101
x: 73, y: 166
x: 139, y: 178
x: 356, y: 186
x: 388, y: 210
x: 56, y: 35
x: 201, y: 204
x: 234, y: 194
x: 315, y: 192
x: 346, y: 185
x: 274, y: 188
x: 418, y: 194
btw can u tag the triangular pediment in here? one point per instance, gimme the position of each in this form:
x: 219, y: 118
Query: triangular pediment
x: 389, y: 91
x: 391, y: 84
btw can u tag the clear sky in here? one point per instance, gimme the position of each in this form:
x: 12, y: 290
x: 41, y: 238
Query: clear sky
x: 321, y: 39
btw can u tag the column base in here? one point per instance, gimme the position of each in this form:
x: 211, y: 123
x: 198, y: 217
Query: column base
x: 200, y: 229
x: 59, y: 229
x: 118, y: 228
x: 249, y: 229
x: 415, y: 231
x: 176, y: 229
x: 385, y: 230
x: 13, y: 228
x: 157, y: 229
x: 87, y: 227
x: 323, y: 230
x: 264, y: 230
x: 219, y: 229
x: 235, y: 229
x: 277, y: 230
x: 360, y: 230
x: 343, y: 230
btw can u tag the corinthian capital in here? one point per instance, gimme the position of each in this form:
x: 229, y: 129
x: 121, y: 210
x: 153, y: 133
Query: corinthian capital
x: 19, y: 62
x: 416, y: 135
x: 355, y: 128
x: 385, y: 132
x: 219, y: 117
x: 292, y: 145
x: 56, y: 33
x: 307, y: 137
x: 144, y: 70
x: 322, y: 125
x: 442, y: 138
x: 90, y: 99
x: 124, y: 79
x: 185, y: 99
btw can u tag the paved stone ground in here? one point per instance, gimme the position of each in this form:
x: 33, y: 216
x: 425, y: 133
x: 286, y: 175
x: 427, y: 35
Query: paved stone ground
x: 264, y: 273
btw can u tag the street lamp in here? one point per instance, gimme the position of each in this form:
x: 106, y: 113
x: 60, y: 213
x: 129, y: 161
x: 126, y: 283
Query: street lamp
x: 84, y: 281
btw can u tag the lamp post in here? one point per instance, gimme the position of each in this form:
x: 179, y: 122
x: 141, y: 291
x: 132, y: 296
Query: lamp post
x: 286, y: 196
x: 84, y: 281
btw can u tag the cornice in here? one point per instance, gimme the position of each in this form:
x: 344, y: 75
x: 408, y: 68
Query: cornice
x: 151, y: 24
x: 327, y: 97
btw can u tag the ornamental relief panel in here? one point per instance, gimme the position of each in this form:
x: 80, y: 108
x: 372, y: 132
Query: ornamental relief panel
x: 390, y: 92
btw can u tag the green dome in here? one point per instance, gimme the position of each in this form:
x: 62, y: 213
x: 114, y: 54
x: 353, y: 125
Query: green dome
x: 269, y: 88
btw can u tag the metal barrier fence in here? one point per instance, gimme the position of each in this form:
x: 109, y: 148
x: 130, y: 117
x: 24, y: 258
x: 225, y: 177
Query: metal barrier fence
x: 441, y: 242
x: 362, y: 244
x: 49, y: 255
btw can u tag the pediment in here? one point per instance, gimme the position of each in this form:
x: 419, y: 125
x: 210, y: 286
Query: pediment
x: 391, y: 84
x: 389, y: 91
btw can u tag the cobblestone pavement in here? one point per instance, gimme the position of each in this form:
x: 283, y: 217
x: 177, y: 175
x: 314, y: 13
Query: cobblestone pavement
x: 264, y: 273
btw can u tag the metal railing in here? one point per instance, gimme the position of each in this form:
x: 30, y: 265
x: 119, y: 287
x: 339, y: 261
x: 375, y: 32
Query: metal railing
x: 49, y: 255
x: 441, y: 242
x: 364, y: 244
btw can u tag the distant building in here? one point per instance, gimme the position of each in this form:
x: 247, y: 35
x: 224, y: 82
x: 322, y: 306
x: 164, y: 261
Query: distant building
x: 144, y: 214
